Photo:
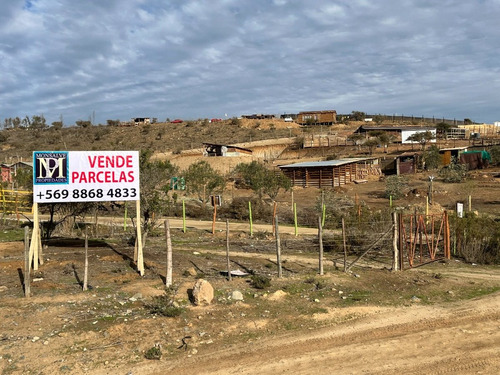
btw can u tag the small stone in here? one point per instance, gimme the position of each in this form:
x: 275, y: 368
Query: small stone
x: 316, y: 300
x: 191, y: 271
x: 341, y: 292
x: 237, y: 295
x: 3, y: 288
x: 45, y: 342
x: 415, y: 299
x: 135, y: 297
x: 35, y: 339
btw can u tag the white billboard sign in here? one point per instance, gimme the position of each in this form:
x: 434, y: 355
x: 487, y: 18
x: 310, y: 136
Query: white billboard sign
x: 85, y: 176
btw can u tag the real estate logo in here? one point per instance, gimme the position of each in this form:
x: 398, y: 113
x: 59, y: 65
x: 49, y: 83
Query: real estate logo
x: 50, y: 167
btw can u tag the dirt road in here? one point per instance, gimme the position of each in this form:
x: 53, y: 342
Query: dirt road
x: 457, y: 339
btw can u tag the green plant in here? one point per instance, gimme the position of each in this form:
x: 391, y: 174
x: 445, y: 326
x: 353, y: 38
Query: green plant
x: 432, y: 158
x: 261, y: 179
x: 165, y: 304
x: 260, y: 281
x: 153, y: 352
x: 396, y: 186
x: 495, y: 155
x: 203, y: 180
x: 454, y: 172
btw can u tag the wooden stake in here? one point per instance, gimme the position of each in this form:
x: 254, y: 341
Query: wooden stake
x: 295, y: 219
x: 275, y: 207
x: 27, y: 263
x: 395, y: 254
x: 40, y: 247
x: 400, y: 241
x: 135, y: 250
x: 250, y: 217
x: 168, y: 278
x: 227, y: 252
x: 183, y: 216
x: 125, y: 219
x: 86, y: 268
x: 278, y: 248
x: 33, y: 253
x: 345, y: 246
x: 140, y: 256
x: 320, y: 240
x: 96, y: 226
x: 214, y: 217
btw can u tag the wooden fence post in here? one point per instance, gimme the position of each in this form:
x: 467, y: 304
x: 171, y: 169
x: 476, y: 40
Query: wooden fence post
x: 320, y: 240
x: 250, y: 217
x: 168, y: 278
x: 278, y: 247
x: 400, y: 241
x: 86, y: 268
x: 27, y: 263
x: 140, y: 255
x: 295, y: 219
x: 184, y: 216
x: 275, y: 206
x: 214, y: 216
x: 227, y: 252
x: 395, y: 254
x: 345, y: 246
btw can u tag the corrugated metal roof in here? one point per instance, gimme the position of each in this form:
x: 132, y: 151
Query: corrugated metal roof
x: 454, y: 148
x: 326, y: 163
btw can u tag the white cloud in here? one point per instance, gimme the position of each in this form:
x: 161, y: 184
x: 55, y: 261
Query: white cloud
x: 202, y: 58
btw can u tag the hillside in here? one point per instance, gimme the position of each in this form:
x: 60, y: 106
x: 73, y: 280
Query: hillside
x: 161, y: 137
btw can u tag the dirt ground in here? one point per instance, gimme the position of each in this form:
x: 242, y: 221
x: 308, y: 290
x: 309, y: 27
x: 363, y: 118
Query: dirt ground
x: 437, y: 319
x: 441, y: 318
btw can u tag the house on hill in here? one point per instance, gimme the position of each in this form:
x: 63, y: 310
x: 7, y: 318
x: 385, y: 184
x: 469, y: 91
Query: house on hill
x: 401, y: 134
x: 317, y: 117
x: 141, y: 121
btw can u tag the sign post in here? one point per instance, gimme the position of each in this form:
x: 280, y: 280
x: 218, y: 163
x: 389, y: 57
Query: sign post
x: 87, y: 176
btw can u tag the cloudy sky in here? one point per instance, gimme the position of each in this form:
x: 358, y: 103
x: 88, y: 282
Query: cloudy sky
x: 117, y: 59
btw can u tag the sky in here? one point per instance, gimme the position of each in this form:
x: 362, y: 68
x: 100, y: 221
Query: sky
x: 117, y: 59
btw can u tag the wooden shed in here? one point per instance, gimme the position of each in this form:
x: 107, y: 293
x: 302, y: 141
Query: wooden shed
x: 331, y: 173
x: 407, y: 162
x: 448, y: 154
x: 317, y: 117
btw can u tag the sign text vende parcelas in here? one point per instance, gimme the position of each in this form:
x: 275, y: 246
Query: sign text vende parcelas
x: 83, y: 176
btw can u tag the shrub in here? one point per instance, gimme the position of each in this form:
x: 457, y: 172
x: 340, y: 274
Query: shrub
x: 476, y: 239
x: 261, y: 281
x: 495, y: 155
x: 165, y: 304
x: 238, y: 209
x: 453, y: 173
x: 396, y: 186
x: 432, y: 158
x: 153, y: 353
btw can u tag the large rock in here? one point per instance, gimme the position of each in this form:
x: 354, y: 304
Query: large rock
x: 203, y: 292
